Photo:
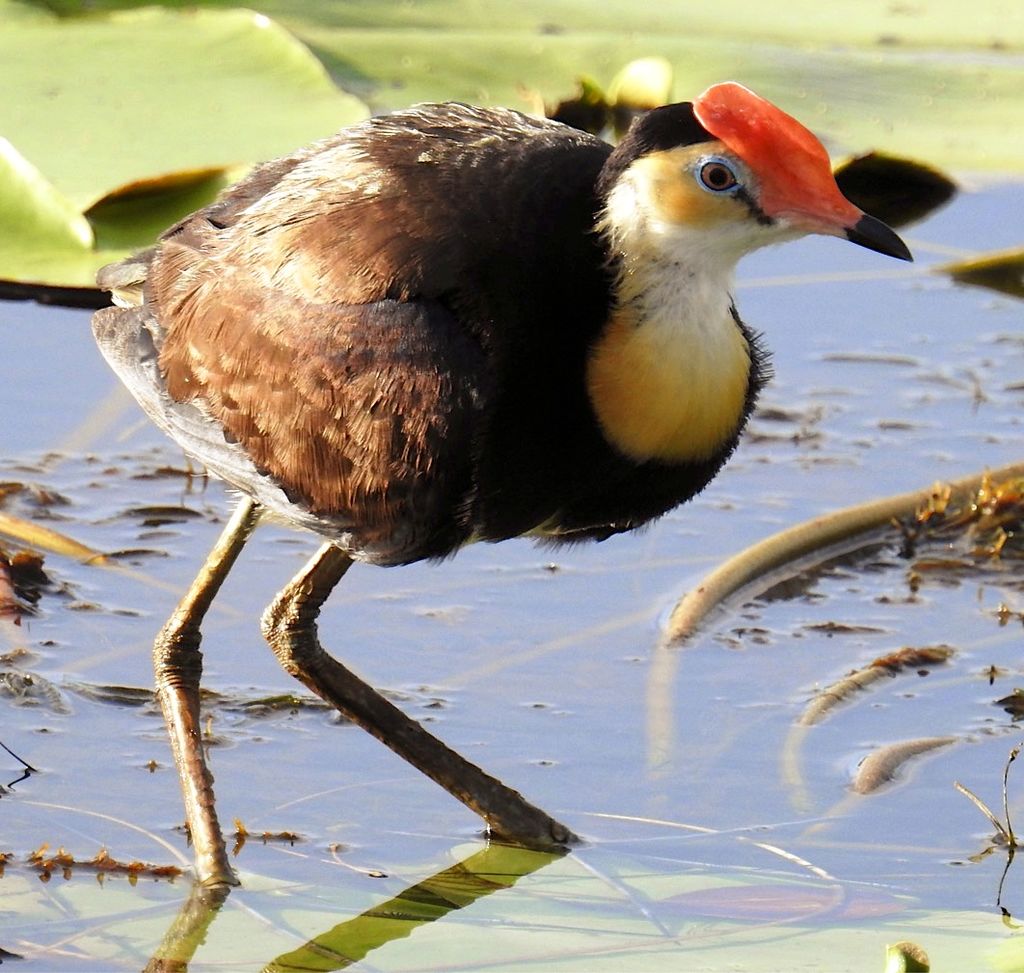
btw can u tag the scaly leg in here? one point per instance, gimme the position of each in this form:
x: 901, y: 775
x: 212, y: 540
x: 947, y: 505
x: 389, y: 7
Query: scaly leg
x: 179, y: 666
x: 289, y: 625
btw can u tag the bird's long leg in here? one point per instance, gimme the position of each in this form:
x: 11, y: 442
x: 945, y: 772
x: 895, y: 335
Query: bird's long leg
x: 179, y: 665
x: 289, y: 625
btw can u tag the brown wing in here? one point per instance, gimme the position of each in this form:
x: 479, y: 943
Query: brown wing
x: 338, y: 320
x: 363, y: 414
x: 391, y: 324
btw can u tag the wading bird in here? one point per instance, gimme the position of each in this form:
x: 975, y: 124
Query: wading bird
x: 454, y: 324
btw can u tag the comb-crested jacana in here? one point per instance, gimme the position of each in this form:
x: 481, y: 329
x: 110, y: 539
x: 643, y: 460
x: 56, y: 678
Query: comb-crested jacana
x: 453, y: 324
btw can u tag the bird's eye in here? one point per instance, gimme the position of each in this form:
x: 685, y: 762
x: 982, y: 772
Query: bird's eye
x: 717, y: 177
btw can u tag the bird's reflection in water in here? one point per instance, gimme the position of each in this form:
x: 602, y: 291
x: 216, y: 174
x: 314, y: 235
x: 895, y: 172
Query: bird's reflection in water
x: 492, y: 869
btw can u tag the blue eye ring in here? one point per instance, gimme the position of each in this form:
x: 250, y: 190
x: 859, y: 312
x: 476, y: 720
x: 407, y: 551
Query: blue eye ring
x: 716, y: 175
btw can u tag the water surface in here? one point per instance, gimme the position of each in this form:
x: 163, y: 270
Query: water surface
x: 544, y: 666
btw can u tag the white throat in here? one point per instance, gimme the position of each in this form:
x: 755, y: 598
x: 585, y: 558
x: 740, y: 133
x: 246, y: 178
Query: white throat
x: 668, y: 376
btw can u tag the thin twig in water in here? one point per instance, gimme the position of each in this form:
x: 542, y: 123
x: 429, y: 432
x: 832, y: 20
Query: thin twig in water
x: 1006, y: 803
x: 983, y: 807
x: 1004, y: 832
x: 1007, y: 915
x: 23, y: 763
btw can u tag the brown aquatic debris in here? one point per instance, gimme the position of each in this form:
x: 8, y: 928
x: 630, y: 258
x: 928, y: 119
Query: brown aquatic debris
x: 882, y: 668
x: 881, y: 766
x: 102, y: 863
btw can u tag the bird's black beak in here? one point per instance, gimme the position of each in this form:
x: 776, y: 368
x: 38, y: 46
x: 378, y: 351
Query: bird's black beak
x: 875, y: 235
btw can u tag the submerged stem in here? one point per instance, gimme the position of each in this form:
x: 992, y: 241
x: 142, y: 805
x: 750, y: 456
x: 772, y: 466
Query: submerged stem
x: 1006, y: 803
x: 811, y: 537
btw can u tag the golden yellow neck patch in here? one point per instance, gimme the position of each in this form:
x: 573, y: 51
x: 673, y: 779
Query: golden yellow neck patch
x: 668, y: 390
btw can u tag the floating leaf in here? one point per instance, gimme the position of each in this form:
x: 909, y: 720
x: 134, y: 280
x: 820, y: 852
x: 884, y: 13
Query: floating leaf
x: 496, y: 868
x: 785, y: 902
x: 38, y: 224
x: 895, y: 190
x: 642, y: 84
x: 1013, y: 704
x: 38, y: 211
x: 134, y: 215
x: 141, y: 92
x: 588, y: 110
x: 906, y: 957
x: 135, y: 94
x: 1001, y: 271
x: 940, y: 87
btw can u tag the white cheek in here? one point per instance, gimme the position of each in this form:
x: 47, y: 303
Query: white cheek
x: 623, y: 217
x: 635, y: 226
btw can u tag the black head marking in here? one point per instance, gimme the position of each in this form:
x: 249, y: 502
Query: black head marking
x: 743, y: 195
x: 667, y: 127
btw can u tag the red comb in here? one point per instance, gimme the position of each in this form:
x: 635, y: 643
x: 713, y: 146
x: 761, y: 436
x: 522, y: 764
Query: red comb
x: 791, y: 165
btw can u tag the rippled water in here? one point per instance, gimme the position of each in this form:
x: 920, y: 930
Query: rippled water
x: 541, y: 665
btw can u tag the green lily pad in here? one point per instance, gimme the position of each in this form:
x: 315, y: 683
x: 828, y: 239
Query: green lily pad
x: 42, y: 214
x: 934, y: 85
x: 39, y: 227
x: 951, y: 109
x: 151, y: 91
x: 864, y: 23
x: 495, y: 868
x: 140, y: 92
x: 150, y: 115
x: 134, y: 215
